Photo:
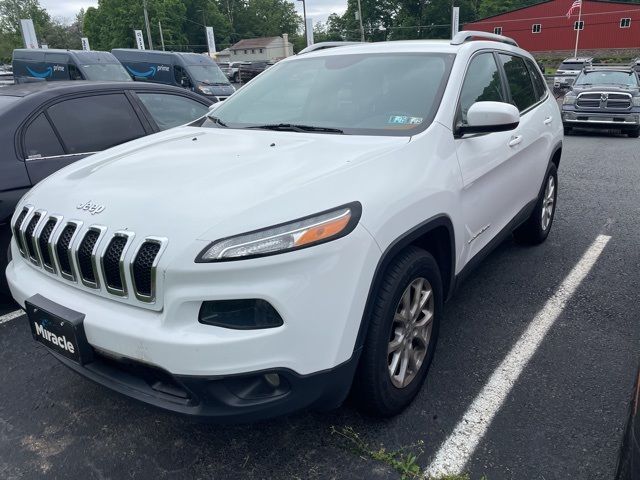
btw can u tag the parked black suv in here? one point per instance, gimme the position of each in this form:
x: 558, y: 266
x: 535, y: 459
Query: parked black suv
x: 48, y: 125
x: 604, y: 98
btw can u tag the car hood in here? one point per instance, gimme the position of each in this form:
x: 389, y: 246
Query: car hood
x: 207, y: 183
x: 604, y: 88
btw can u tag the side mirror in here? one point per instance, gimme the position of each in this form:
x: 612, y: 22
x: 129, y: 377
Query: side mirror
x: 488, y: 117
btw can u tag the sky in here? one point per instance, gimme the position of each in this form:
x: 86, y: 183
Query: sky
x: 318, y: 10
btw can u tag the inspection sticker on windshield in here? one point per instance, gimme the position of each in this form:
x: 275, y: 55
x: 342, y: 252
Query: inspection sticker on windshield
x: 404, y: 120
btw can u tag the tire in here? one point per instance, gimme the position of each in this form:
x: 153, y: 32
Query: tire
x: 635, y: 133
x: 536, y: 230
x: 374, y: 389
x: 568, y: 130
x: 236, y: 77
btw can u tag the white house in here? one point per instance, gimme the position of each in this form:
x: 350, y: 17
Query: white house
x: 261, y: 49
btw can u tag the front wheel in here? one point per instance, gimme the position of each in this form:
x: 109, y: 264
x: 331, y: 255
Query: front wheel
x: 635, y: 133
x: 537, y: 227
x: 402, y: 334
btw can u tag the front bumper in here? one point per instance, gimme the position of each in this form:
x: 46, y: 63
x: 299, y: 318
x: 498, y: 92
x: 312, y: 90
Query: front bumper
x: 319, y: 292
x: 603, y: 120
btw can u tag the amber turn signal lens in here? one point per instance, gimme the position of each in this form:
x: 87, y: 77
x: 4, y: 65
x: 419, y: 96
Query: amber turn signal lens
x: 324, y: 230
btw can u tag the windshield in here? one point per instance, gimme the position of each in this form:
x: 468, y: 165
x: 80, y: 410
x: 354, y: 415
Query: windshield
x: 106, y: 71
x: 571, y: 66
x: 6, y: 101
x: 368, y: 94
x: 626, y: 79
x: 209, y: 74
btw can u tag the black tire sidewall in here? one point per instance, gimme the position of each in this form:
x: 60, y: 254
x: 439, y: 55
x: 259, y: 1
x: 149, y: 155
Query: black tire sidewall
x: 413, y: 264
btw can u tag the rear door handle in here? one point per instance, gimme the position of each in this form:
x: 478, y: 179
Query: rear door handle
x: 548, y: 120
x: 515, y: 140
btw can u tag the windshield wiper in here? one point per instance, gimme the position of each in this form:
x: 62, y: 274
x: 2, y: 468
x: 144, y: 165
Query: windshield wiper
x: 290, y: 127
x: 217, y: 121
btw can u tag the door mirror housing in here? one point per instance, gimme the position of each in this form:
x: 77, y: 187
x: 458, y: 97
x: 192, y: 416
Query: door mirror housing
x: 488, y: 117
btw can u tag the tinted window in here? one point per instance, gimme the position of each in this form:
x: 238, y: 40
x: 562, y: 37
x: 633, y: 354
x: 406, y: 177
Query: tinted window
x: 608, y: 77
x: 522, y: 93
x: 482, y: 83
x: 571, y: 66
x: 91, y: 124
x: 40, y: 140
x: 172, y: 110
x: 538, y: 81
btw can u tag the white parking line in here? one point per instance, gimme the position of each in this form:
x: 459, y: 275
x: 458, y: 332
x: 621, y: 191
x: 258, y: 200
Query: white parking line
x: 11, y: 316
x: 458, y: 448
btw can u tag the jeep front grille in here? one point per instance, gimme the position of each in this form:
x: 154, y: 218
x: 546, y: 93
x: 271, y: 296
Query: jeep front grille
x: 90, y: 255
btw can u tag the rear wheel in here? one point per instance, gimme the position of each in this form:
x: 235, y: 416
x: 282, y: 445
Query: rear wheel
x: 402, y: 334
x: 537, y: 227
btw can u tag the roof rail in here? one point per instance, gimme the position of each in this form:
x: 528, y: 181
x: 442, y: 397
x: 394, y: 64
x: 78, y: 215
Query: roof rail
x: 468, y: 35
x: 324, y: 45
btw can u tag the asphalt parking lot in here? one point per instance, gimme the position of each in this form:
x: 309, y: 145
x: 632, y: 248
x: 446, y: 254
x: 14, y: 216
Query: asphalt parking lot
x: 563, y: 416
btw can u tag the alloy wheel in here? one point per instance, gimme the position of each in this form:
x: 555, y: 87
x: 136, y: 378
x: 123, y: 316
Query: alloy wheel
x: 410, y: 332
x: 548, y: 202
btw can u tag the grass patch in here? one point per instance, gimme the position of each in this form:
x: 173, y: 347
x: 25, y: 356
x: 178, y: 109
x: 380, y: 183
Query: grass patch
x: 404, y: 460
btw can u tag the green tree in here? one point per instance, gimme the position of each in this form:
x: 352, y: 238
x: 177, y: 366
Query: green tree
x: 112, y: 23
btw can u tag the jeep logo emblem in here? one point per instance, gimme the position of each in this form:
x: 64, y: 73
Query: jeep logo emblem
x: 92, y: 208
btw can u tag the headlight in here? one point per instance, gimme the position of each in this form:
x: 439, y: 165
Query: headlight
x: 569, y: 100
x: 636, y: 101
x: 302, y: 233
x: 205, y: 90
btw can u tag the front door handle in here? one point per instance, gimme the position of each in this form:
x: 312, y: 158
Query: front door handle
x: 548, y: 120
x: 515, y: 140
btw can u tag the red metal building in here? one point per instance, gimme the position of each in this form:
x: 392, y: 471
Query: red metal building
x: 545, y: 27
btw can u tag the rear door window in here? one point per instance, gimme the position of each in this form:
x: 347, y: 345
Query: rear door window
x: 538, y: 81
x: 169, y: 111
x: 40, y: 140
x: 95, y: 123
x: 523, y: 95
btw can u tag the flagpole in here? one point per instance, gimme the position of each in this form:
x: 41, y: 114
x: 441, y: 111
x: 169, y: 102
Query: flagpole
x: 575, y: 52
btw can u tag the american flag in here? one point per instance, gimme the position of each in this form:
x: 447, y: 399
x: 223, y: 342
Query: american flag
x: 575, y: 5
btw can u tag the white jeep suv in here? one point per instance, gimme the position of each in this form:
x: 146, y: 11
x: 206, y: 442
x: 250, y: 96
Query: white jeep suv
x: 299, y: 241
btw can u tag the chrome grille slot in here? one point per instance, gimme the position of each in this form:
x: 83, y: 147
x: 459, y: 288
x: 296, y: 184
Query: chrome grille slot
x: 29, y: 238
x: 43, y: 244
x: 63, y: 252
x: 16, y: 231
x: 113, y: 263
x: 85, y: 256
x: 143, y: 268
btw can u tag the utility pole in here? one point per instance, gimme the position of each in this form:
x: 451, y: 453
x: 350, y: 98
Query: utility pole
x: 146, y: 22
x: 161, y: 37
x: 304, y: 11
x: 204, y: 25
x: 360, y: 18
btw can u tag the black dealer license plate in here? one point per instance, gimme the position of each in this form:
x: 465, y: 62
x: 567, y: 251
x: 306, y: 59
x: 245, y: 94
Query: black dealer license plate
x: 58, y: 328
